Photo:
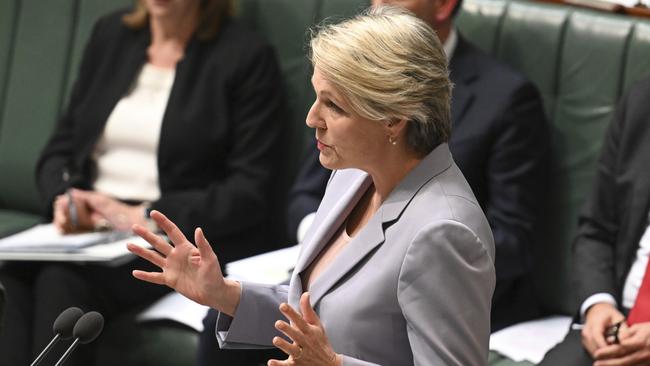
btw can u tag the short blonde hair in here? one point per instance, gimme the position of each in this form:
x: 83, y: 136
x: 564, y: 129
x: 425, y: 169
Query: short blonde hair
x: 389, y: 65
x: 213, y: 13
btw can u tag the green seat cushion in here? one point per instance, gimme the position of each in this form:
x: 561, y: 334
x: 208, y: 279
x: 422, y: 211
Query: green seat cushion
x: 128, y: 342
x: 14, y: 221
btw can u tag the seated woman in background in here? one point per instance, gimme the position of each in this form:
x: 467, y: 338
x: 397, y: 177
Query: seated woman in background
x: 398, y: 267
x: 176, y: 108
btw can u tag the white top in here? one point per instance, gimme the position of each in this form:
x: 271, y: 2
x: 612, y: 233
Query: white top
x: 632, y: 282
x: 127, y: 153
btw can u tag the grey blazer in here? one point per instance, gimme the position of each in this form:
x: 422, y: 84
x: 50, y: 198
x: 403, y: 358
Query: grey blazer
x: 413, y: 287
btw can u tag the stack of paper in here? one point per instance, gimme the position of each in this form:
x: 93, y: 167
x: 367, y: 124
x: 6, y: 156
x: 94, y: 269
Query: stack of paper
x: 268, y: 268
x: 529, y: 341
x: 46, y: 237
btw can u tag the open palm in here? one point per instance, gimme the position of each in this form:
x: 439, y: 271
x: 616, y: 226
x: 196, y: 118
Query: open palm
x: 193, y: 271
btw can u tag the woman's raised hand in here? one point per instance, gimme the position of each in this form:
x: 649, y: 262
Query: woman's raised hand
x: 193, y: 271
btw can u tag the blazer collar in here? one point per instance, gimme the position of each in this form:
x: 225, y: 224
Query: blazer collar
x: 372, y: 235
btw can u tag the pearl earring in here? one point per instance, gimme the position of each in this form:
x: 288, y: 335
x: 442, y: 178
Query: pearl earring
x: 392, y: 141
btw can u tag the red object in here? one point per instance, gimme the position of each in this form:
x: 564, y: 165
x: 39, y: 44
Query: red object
x: 641, y: 310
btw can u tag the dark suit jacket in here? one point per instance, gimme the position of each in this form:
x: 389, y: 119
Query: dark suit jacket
x: 616, y: 214
x: 500, y: 141
x: 219, y: 138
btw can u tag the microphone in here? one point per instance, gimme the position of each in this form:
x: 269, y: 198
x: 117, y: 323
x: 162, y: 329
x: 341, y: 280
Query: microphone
x: 62, y: 328
x: 88, y: 327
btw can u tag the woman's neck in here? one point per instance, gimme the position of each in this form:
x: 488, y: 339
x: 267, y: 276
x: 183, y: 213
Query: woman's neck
x: 392, y: 170
x: 169, y: 36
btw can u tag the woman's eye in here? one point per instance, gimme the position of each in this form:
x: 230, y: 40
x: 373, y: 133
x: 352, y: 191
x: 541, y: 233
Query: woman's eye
x: 331, y: 105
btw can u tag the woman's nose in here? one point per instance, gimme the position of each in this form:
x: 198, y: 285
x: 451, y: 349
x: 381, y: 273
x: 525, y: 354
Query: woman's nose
x: 314, y: 119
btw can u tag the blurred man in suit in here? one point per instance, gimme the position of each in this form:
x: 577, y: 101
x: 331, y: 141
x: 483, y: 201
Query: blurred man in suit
x: 612, y: 248
x: 499, y: 140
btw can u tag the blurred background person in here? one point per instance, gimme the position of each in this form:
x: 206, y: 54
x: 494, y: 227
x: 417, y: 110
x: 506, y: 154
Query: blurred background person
x: 176, y: 107
x: 500, y: 141
x: 399, y: 230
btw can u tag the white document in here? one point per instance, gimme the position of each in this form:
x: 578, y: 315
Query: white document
x: 268, y: 268
x: 46, y: 237
x: 529, y: 341
x: 178, y: 308
x: 45, y: 243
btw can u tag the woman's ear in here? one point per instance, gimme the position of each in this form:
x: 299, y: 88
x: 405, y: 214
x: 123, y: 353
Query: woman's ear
x: 395, y: 126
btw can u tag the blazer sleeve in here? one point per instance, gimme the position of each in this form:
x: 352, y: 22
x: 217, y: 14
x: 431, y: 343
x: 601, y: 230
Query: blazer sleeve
x: 598, y: 224
x: 447, y: 324
x: 253, y: 324
x: 516, y: 170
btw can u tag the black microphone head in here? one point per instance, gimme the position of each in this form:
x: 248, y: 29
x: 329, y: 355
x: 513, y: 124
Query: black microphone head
x: 88, y: 327
x: 64, y: 323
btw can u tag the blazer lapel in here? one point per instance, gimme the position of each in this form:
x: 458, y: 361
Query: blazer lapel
x: 372, y: 235
x: 326, y: 228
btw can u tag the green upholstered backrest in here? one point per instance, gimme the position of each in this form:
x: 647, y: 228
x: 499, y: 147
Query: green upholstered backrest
x: 481, y: 22
x: 637, y: 61
x: 582, y: 61
x: 286, y: 25
x: 87, y: 13
x: 32, y: 95
x: 44, y: 42
x: 8, y: 12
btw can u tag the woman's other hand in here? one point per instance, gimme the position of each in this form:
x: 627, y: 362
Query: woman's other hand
x: 310, y: 344
x: 107, y: 211
x: 193, y: 271
x: 63, y: 217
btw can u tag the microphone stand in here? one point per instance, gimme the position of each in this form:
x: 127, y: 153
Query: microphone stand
x: 46, y: 350
x: 68, y: 352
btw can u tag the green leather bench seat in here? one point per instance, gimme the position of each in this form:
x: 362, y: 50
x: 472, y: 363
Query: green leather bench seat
x: 581, y: 60
x: 40, y: 47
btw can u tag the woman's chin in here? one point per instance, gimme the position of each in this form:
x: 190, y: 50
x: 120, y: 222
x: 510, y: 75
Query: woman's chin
x: 327, y: 162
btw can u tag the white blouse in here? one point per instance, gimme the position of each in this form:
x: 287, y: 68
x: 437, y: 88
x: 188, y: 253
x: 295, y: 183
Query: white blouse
x: 127, y: 152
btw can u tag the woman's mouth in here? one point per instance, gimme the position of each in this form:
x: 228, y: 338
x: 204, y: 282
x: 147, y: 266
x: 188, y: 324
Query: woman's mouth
x: 321, y: 146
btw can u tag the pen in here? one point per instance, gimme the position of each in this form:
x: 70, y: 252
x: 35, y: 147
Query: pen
x: 72, y: 208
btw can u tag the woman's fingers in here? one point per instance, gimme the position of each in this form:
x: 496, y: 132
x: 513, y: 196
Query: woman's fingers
x: 295, y: 318
x: 148, y: 254
x: 279, y: 363
x: 173, y: 232
x: 205, y: 249
x: 157, y: 278
x: 308, y: 312
x: 290, y: 331
x: 286, y: 347
x: 156, y: 241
